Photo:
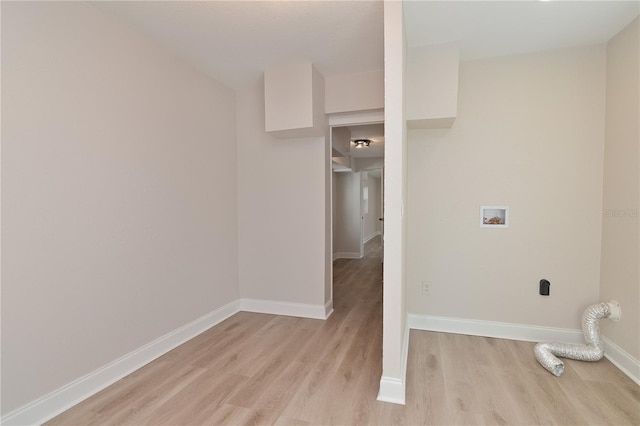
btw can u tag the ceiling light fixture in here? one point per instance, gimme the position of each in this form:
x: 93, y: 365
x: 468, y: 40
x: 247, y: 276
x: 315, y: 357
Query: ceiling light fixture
x: 362, y: 143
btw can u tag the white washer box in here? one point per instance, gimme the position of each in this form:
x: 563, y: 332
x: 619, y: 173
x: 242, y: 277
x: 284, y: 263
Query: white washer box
x: 494, y: 216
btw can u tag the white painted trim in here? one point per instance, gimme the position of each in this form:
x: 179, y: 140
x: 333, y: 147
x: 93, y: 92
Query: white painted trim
x: 56, y: 402
x: 347, y: 255
x: 328, y: 309
x: 372, y: 236
x: 393, y: 389
x: 501, y: 330
x: 284, y: 308
x: 356, y: 117
x: 622, y: 359
x: 404, y: 355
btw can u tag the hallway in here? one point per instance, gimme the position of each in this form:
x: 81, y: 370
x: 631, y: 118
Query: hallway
x: 357, y: 280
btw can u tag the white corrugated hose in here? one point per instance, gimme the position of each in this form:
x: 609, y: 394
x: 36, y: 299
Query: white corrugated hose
x: 547, y: 353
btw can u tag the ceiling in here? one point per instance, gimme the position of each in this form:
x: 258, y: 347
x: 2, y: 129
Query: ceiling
x: 498, y: 28
x: 234, y: 41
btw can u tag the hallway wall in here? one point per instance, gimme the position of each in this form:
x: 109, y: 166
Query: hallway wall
x: 371, y: 223
x: 347, y: 220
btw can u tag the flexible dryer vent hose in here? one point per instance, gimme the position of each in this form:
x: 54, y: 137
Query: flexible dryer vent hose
x: 547, y: 353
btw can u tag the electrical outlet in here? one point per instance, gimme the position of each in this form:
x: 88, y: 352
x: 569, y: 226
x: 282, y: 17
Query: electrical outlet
x: 426, y: 287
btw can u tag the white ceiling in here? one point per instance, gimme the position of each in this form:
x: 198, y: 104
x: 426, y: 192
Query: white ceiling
x: 234, y: 41
x: 497, y: 28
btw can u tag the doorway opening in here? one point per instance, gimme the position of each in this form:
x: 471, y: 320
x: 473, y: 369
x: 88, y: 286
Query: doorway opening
x: 357, y: 195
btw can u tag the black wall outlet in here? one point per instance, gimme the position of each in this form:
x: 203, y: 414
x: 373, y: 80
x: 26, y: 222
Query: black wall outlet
x: 544, y: 287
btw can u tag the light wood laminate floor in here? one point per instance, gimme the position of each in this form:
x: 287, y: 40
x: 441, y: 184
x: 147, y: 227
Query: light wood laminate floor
x: 257, y: 369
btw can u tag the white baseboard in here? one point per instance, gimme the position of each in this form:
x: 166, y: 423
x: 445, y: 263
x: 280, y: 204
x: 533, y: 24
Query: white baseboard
x: 618, y: 357
x: 328, y: 309
x: 372, y: 236
x: 60, y: 400
x: 347, y: 255
x: 284, y: 308
x: 404, y: 357
x: 393, y: 389
x: 622, y: 359
x: 501, y: 330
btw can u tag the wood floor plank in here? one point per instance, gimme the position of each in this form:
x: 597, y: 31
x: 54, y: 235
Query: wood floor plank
x: 587, y: 401
x: 134, y: 409
x: 258, y: 369
x: 316, y: 386
x: 269, y: 370
x: 551, y: 403
x: 513, y: 379
x: 288, y: 421
x: 622, y: 407
x: 211, y: 389
x: 226, y: 414
x: 596, y: 370
x: 426, y: 400
x: 462, y: 401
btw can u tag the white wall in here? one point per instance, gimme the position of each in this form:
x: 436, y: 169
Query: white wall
x: 529, y: 134
x: 371, y: 223
x: 347, y: 220
x: 288, y: 96
x: 119, y: 195
x: 368, y: 163
x: 294, y: 97
x: 341, y: 140
x: 281, y: 209
x: 619, y: 277
x: 354, y: 92
x: 432, y: 75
